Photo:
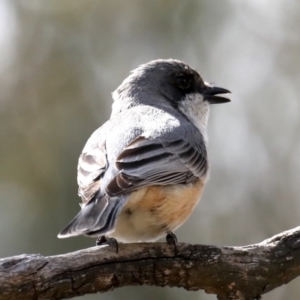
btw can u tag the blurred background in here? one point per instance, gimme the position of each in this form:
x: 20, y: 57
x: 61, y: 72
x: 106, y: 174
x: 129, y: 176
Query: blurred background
x: 59, y: 62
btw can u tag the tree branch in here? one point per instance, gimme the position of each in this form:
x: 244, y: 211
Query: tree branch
x: 229, y: 272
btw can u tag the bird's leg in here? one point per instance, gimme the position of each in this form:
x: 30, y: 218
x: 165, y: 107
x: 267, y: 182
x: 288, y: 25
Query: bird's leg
x: 103, y: 240
x: 172, y: 240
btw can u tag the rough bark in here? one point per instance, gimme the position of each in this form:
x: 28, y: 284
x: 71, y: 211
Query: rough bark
x: 229, y: 272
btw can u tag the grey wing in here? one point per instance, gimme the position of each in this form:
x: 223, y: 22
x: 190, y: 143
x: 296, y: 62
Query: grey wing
x: 147, y: 162
x: 98, y: 211
x: 91, y: 167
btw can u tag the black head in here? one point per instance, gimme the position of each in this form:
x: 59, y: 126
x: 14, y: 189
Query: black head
x: 173, y: 79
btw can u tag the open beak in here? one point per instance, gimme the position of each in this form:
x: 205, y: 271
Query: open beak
x: 212, y: 95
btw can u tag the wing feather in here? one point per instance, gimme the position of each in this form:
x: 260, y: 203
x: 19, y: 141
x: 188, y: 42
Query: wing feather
x: 147, y: 162
x: 91, y: 167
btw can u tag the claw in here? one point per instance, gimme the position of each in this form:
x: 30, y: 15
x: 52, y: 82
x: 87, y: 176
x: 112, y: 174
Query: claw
x: 103, y: 240
x: 172, y: 240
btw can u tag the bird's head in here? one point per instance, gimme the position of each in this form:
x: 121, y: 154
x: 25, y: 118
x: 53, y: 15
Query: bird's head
x: 170, y: 82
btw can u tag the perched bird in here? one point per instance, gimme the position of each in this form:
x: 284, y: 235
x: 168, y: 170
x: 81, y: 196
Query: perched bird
x: 141, y: 174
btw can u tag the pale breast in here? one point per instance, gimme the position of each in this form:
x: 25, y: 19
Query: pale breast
x: 151, y: 212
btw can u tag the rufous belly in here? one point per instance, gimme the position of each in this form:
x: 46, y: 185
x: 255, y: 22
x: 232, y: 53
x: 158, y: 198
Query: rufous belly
x: 152, y: 212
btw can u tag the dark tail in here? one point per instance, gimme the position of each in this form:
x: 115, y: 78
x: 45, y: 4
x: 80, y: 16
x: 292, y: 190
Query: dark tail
x: 96, y: 218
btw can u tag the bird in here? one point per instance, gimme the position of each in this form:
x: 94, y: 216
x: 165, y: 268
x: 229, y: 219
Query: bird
x: 142, y: 173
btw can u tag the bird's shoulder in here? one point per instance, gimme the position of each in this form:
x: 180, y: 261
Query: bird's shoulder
x: 152, y: 122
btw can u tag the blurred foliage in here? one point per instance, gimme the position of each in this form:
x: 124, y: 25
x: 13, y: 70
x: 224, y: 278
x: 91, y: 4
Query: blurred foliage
x: 59, y: 62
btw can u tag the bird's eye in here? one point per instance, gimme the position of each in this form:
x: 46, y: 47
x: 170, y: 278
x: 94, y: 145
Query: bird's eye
x: 183, y: 82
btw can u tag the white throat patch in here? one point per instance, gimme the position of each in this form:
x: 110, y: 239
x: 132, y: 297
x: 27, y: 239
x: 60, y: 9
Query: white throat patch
x: 197, y: 111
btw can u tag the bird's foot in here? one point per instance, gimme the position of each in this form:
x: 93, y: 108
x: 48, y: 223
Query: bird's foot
x: 103, y: 240
x: 172, y: 240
